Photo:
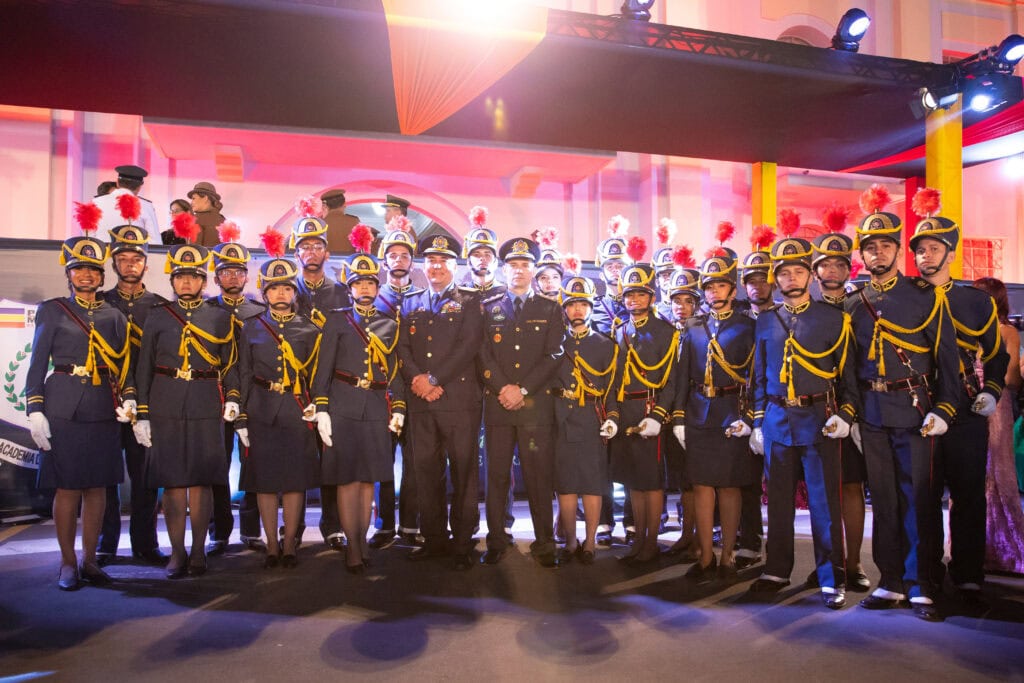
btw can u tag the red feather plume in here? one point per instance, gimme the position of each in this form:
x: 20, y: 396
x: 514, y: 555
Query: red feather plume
x: 478, y: 216
x: 724, y: 231
x: 309, y: 207
x: 835, y: 217
x: 571, y: 263
x: 546, y: 237
x: 855, y: 268
x: 715, y: 251
x: 88, y: 216
x: 129, y: 206
x: 789, y: 222
x: 927, y: 202
x: 361, y: 237
x: 400, y: 222
x: 874, y: 199
x: 666, y: 231
x: 273, y: 242
x: 683, y: 257
x: 618, y: 226
x: 185, y: 226
x: 636, y: 248
x: 762, y: 236
x: 228, y: 231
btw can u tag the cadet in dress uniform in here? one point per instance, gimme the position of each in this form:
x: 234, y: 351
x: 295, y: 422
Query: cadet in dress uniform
x: 186, y: 369
x: 963, y: 451
x: 805, y: 400
x: 128, y: 252
x: 396, y: 252
x: 317, y: 296
x: 521, y: 351
x: 585, y: 415
x: 73, y: 413
x: 356, y: 393
x: 442, y: 332
x: 277, y: 352
x: 645, y: 390
x: 907, y: 368
x: 130, y: 179
x: 548, y: 279
x: 231, y: 272
x: 832, y: 267
x: 664, y: 268
x: 714, y: 367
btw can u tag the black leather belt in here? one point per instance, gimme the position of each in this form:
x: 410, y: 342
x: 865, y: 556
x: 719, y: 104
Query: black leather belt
x: 571, y: 395
x: 277, y: 387
x: 187, y: 375
x: 884, y: 386
x: 637, y: 395
x: 79, y: 370
x: 711, y: 391
x: 360, y: 382
x: 801, y: 401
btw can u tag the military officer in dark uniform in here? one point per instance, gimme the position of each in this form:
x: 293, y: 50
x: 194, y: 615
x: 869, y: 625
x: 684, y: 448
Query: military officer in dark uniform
x: 339, y: 223
x: 832, y: 267
x: 907, y: 367
x: 963, y: 451
x: 277, y: 352
x: 521, y: 351
x: 231, y: 272
x: 128, y: 251
x: 358, y: 394
x: 714, y: 367
x: 396, y: 253
x: 317, y: 296
x: 586, y: 415
x: 395, y: 206
x: 805, y: 400
x: 186, y: 369
x: 441, y: 336
x: 548, y: 279
x: 79, y: 404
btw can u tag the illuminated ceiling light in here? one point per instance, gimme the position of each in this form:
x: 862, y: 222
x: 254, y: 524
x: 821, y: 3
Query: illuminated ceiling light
x: 938, y: 98
x: 1011, y: 50
x: 639, y: 10
x: 850, y: 30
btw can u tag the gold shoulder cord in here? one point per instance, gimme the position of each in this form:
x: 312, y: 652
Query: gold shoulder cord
x: 582, y: 389
x: 716, y: 356
x: 190, y: 336
x: 636, y: 369
x: 993, y: 319
x: 794, y: 351
x: 886, y: 331
x: 99, y: 345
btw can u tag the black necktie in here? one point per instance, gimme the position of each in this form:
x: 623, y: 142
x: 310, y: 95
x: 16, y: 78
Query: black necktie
x: 434, y: 298
x: 518, y: 307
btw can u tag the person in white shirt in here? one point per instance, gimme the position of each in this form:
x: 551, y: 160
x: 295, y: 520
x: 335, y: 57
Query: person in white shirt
x: 129, y: 180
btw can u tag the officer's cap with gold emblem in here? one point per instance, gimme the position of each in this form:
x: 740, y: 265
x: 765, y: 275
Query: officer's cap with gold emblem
x: 230, y: 255
x: 720, y: 266
x: 277, y: 271
x: 396, y: 238
x: 438, y: 244
x: 360, y: 267
x: 83, y: 250
x: 129, y: 238
x: 662, y: 260
x: 636, y: 278
x: 938, y: 228
x: 480, y: 237
x: 685, y: 281
x: 832, y: 244
x: 550, y: 258
x: 612, y: 249
x: 576, y: 288
x: 791, y: 251
x: 187, y: 259
x: 519, y: 248
x: 755, y: 262
x: 877, y: 224
x: 307, y: 227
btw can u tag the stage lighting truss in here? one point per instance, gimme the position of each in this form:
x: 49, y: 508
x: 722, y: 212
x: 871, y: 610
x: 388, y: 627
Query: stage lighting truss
x: 850, y: 30
x: 985, y: 79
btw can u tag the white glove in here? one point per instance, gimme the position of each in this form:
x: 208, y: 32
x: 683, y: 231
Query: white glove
x: 309, y: 413
x: 39, y: 426
x: 757, y: 441
x: 397, y: 422
x: 126, y: 411
x: 231, y: 411
x: 934, y: 425
x: 739, y: 429
x: 855, y: 435
x: 836, y: 428
x: 679, y: 431
x: 243, y: 436
x: 649, y: 427
x: 609, y: 429
x: 984, y: 405
x: 143, y: 433
x: 323, y: 427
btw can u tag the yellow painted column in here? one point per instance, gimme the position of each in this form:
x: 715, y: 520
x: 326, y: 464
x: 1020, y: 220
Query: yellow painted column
x: 763, y: 193
x: 944, y: 168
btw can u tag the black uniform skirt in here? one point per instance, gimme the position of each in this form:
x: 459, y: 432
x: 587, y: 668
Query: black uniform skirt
x: 714, y: 460
x: 638, y: 463
x: 581, y: 456
x: 82, y: 455
x: 361, y: 452
x: 280, y: 459
x: 186, y: 453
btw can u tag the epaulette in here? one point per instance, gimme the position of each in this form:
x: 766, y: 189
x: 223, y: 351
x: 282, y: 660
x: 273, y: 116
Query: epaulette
x: 921, y: 283
x: 468, y: 289
x: 413, y: 291
x: 492, y: 298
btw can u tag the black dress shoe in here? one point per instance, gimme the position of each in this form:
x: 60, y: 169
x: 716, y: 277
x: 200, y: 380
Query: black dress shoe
x: 92, y: 574
x: 926, y: 611
x: 728, y: 573
x: 703, y: 575
x: 604, y: 538
x: 835, y: 600
x: 546, y: 559
x: 425, y: 552
x: 463, y: 562
x: 857, y: 581
x: 743, y: 562
x: 763, y: 585
x: 154, y: 557
x: 876, y: 602
x: 68, y: 579
x: 587, y: 557
x: 215, y: 548
x: 197, y: 565
x: 271, y: 561
x: 289, y: 561
x: 382, y: 539
x: 103, y: 559
x: 492, y: 556
x: 334, y: 543
x: 179, y: 572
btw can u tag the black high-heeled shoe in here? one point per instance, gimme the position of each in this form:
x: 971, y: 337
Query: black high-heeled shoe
x: 289, y: 561
x: 67, y: 578
x: 196, y: 568
x: 179, y: 572
x: 272, y: 560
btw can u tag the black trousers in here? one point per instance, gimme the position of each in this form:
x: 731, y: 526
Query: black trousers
x: 962, y: 457
x: 408, y: 517
x: 821, y: 468
x: 906, y: 507
x: 751, y: 532
x: 143, y: 503
x: 536, y: 456
x: 438, y: 440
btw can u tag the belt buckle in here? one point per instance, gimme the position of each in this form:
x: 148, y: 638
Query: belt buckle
x: 277, y: 386
x: 568, y: 394
x: 363, y: 383
x: 183, y: 374
x: 79, y: 371
x: 710, y: 391
x: 792, y: 402
x: 879, y: 385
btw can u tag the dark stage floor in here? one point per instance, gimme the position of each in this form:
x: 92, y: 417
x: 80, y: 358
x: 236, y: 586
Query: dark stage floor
x: 514, y: 621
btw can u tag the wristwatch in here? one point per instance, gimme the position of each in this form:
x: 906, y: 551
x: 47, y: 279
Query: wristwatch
x: 523, y: 390
x: 432, y: 380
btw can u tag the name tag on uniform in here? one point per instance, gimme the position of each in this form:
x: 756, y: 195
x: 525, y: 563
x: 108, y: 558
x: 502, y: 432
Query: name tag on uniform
x: 530, y: 322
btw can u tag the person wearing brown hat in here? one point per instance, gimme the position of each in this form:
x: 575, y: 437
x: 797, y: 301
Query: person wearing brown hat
x: 206, y: 206
x: 339, y: 223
